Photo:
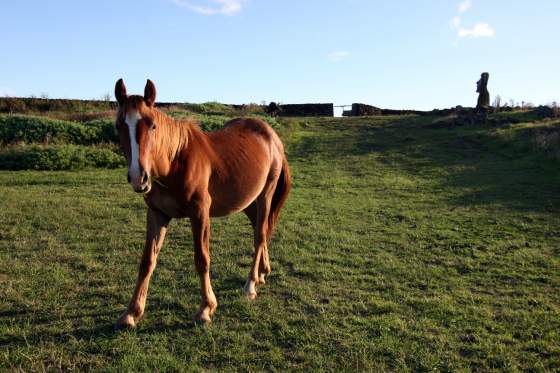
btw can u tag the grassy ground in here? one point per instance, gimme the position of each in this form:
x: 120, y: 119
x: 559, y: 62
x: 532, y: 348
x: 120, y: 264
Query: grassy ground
x: 401, y: 248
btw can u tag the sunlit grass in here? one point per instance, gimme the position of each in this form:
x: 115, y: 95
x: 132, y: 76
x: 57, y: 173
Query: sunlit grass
x: 400, y: 248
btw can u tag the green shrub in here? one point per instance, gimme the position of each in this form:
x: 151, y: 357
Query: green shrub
x: 35, y: 104
x: 63, y: 142
x: 211, y: 122
x: 270, y: 120
x: 210, y: 108
x: 215, y: 122
x: 106, y: 131
x: 59, y: 157
x: 31, y: 129
x: 216, y: 108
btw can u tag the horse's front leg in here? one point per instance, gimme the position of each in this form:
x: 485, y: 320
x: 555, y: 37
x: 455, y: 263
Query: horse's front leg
x: 200, y: 224
x: 155, y: 234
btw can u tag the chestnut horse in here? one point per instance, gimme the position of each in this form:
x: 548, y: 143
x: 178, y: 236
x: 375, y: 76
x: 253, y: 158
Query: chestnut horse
x: 184, y: 172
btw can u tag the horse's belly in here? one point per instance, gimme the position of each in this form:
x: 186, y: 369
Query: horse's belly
x: 227, y: 198
x: 232, y: 197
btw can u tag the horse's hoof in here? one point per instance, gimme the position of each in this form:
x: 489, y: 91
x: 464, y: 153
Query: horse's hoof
x: 251, y: 296
x: 249, y: 290
x: 261, y: 280
x: 125, y: 322
x: 203, y: 316
x: 202, y: 320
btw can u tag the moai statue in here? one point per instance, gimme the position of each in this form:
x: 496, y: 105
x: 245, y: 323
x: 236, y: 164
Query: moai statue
x: 483, y: 102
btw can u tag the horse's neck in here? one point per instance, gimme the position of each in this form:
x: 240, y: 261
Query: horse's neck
x: 177, y: 136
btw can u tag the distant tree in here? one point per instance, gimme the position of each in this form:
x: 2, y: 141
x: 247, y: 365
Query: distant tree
x: 497, y: 103
x: 273, y: 109
x: 44, y: 95
x: 106, y: 97
x: 512, y: 103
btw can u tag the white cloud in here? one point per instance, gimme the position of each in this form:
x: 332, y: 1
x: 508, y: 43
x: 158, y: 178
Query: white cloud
x: 464, y: 6
x: 211, y: 7
x: 455, y: 22
x: 480, y: 30
x: 338, y: 56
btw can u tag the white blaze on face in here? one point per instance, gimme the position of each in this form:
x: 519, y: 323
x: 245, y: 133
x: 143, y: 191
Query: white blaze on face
x: 132, y: 118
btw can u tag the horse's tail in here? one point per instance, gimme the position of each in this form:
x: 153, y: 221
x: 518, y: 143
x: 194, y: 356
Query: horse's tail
x: 279, y: 197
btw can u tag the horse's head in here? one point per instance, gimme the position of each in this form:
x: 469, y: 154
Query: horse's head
x: 136, y: 127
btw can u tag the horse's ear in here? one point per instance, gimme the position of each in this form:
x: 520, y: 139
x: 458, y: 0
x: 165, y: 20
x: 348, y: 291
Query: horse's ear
x: 120, y: 91
x: 150, y: 93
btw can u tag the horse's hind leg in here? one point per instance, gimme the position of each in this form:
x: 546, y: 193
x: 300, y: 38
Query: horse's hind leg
x: 261, y: 265
x: 264, y: 265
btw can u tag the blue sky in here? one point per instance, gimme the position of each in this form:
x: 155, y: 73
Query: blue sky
x: 397, y: 54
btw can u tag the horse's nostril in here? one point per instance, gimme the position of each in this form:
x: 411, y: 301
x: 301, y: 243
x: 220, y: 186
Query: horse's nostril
x: 144, y: 177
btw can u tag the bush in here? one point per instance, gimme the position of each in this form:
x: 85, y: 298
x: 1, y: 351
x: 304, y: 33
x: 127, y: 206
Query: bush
x: 30, y: 129
x: 34, y: 104
x: 64, y: 142
x: 251, y: 110
x: 82, y: 117
x: 211, y: 122
x: 210, y: 108
x: 215, y: 122
x: 106, y: 131
x: 16, y: 129
x: 270, y: 120
x: 59, y: 157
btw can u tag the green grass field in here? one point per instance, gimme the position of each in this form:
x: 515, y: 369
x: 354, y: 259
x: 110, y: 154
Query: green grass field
x: 403, y: 247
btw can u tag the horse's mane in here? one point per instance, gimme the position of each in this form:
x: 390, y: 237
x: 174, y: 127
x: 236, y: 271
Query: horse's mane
x: 173, y: 135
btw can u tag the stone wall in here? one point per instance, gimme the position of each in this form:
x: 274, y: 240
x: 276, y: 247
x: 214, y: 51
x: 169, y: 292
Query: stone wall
x: 363, y: 110
x: 306, y: 110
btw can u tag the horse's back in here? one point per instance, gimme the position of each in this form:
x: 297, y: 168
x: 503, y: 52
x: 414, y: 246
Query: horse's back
x: 248, y: 135
x: 250, y: 125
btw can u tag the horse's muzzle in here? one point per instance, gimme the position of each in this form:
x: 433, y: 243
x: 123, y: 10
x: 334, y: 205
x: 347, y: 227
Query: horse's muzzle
x: 144, y: 186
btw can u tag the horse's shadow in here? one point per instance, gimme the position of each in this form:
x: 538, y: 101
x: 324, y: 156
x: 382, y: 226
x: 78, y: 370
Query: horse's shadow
x: 102, y: 329
x: 156, y: 319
